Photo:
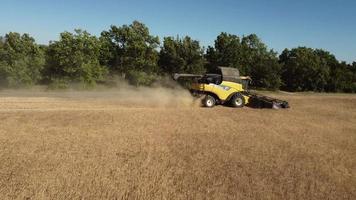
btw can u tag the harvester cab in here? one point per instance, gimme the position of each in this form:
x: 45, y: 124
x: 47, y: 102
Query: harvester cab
x: 225, y: 86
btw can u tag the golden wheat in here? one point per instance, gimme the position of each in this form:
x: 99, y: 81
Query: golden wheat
x: 65, y: 147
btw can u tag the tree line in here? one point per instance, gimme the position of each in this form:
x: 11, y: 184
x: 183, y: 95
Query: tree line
x: 130, y: 51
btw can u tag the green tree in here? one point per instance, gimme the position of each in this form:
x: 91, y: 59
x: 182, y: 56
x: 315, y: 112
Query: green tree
x: 2, y: 62
x: 181, y: 56
x: 129, y: 48
x: 338, y: 75
x: 130, y: 51
x: 307, y: 69
x: 250, y: 55
x: 353, y: 69
x: 304, y: 70
x: 2, y: 41
x: 226, y: 52
x: 261, y: 63
x: 266, y: 73
x: 75, y: 58
x: 21, y: 60
x: 342, y: 78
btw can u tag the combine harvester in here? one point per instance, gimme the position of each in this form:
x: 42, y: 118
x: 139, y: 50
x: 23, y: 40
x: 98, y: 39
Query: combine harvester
x: 226, y: 86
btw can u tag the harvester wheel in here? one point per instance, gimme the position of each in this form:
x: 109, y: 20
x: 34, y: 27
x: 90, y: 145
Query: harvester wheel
x: 237, y: 101
x: 209, y: 101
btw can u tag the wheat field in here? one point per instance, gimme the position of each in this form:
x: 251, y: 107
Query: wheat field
x: 162, y: 145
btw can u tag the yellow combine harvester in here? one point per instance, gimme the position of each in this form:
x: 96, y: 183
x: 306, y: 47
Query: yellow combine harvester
x: 226, y: 86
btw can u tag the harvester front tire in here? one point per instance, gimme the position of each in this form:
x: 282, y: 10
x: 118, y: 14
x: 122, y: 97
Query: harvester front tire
x: 209, y: 101
x: 237, y: 101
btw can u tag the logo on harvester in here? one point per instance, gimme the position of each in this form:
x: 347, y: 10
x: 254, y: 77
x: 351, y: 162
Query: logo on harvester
x: 224, y: 87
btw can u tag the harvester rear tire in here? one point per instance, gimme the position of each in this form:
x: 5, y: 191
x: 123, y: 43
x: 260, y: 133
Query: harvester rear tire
x: 237, y: 101
x: 209, y: 101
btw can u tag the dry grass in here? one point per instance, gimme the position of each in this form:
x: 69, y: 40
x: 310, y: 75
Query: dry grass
x: 64, y: 147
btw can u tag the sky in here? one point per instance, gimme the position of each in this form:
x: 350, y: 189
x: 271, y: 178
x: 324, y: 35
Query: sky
x: 326, y: 24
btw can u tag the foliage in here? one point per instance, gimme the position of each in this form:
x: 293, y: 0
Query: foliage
x: 181, y: 56
x: 59, y: 83
x: 132, y: 52
x: 249, y: 55
x: 75, y: 57
x: 303, y: 70
x: 226, y: 52
x: 21, y: 60
x: 266, y: 73
x: 141, y: 78
x: 306, y: 69
x: 129, y: 48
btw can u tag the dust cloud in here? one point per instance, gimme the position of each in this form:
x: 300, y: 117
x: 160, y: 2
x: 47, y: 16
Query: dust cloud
x: 162, y: 94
